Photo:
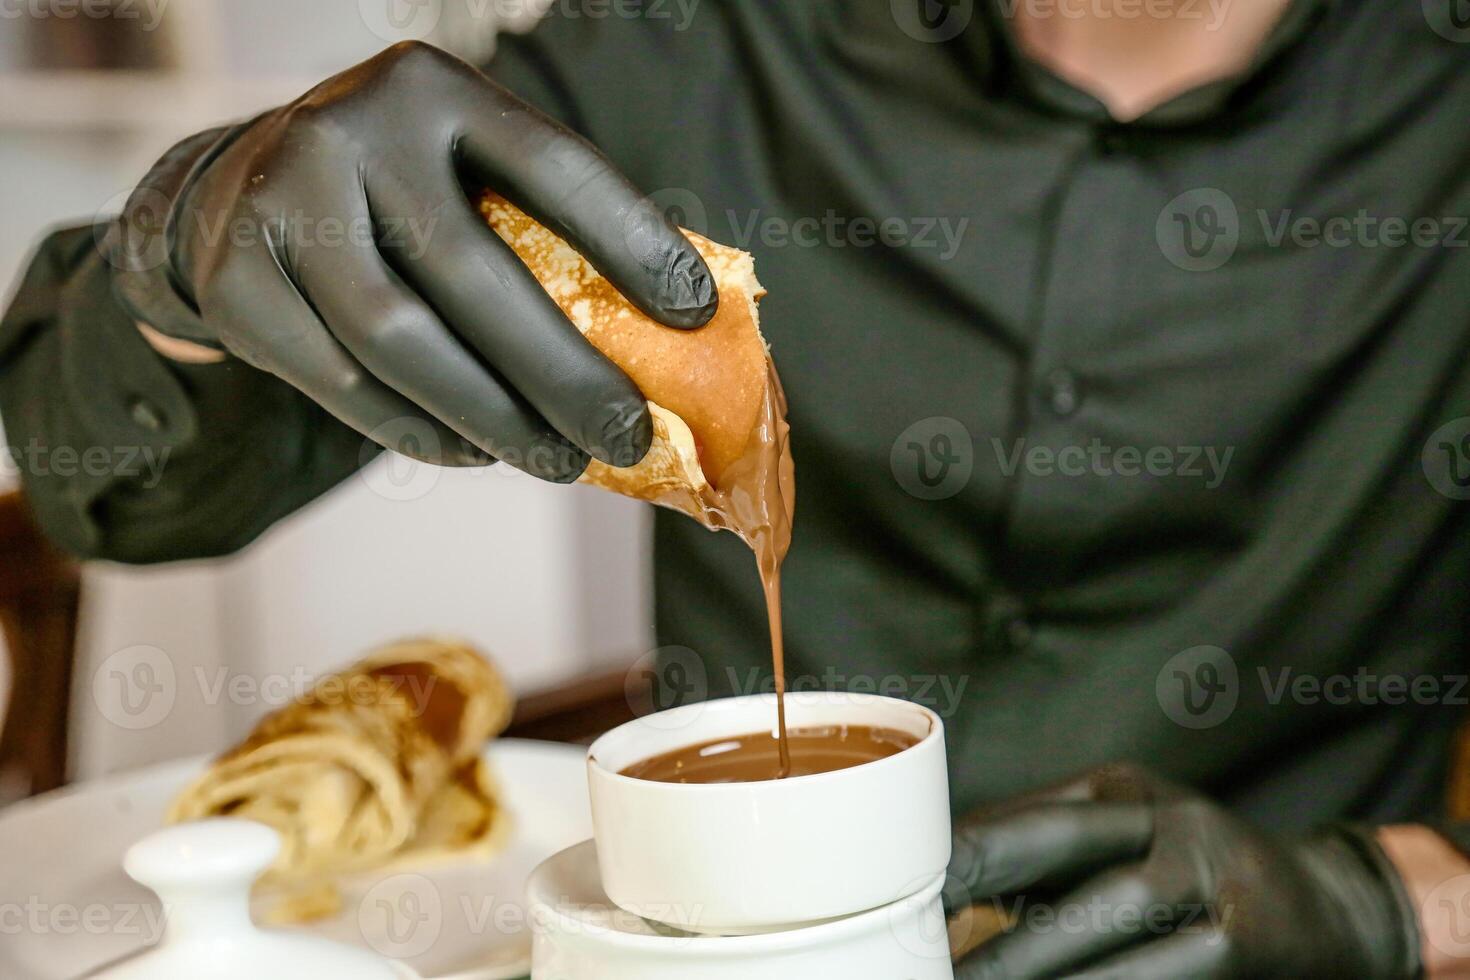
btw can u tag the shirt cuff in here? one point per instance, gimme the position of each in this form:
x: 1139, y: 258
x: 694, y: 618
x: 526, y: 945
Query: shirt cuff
x: 139, y: 242
x: 86, y: 402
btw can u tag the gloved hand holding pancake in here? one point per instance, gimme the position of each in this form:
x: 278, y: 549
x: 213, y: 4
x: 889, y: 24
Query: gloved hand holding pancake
x: 379, y: 765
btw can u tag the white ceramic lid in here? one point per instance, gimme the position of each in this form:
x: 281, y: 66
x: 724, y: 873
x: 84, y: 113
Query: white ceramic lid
x: 203, y: 872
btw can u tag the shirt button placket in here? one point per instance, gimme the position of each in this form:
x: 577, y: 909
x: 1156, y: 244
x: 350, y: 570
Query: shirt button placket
x: 1006, y: 621
x: 1086, y: 262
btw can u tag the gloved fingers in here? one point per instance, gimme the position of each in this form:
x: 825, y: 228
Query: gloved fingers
x: 1051, y: 844
x: 565, y: 183
x: 1113, y: 911
x: 1199, y: 955
x: 1114, y: 783
x: 403, y: 343
x: 262, y: 319
x: 495, y: 305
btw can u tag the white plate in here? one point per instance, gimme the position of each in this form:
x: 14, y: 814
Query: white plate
x: 66, y: 907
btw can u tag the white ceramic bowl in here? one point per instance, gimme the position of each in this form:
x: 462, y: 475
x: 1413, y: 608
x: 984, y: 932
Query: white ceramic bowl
x: 739, y: 858
x: 579, y: 935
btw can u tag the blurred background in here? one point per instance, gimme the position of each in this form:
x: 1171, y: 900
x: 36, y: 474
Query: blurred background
x: 553, y: 581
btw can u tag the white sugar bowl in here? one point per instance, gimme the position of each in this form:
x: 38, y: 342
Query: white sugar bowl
x: 203, y: 872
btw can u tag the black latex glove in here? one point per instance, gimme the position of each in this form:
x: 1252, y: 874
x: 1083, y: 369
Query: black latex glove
x: 1127, y: 876
x: 331, y: 242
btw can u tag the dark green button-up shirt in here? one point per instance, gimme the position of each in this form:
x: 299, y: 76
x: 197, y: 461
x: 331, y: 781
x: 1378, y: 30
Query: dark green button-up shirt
x: 1145, y: 441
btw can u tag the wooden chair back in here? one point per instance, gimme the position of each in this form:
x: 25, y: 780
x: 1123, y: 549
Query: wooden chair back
x: 39, y: 592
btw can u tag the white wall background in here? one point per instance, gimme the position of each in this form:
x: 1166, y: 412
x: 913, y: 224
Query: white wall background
x: 553, y: 581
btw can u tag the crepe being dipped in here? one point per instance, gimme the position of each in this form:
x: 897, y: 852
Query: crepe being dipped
x: 377, y: 766
x: 720, y: 448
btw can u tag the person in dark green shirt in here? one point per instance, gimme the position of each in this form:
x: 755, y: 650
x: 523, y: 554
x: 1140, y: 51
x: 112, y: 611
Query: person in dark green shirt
x: 1127, y: 358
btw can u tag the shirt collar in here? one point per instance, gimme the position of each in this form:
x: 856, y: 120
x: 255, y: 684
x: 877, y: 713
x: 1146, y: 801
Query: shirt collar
x: 925, y: 41
x: 1012, y: 67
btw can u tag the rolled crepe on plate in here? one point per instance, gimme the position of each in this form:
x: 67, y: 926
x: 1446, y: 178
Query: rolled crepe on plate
x: 377, y: 766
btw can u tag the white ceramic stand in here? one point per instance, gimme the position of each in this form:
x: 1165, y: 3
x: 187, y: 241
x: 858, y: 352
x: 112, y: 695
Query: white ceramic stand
x: 579, y: 934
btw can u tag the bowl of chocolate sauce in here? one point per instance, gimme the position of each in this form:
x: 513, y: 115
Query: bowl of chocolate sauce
x: 707, y: 820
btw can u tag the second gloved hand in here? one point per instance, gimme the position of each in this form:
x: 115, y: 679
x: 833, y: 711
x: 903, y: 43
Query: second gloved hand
x: 1123, y: 875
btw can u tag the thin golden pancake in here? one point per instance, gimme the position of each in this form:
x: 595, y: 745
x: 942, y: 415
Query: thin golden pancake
x: 710, y: 390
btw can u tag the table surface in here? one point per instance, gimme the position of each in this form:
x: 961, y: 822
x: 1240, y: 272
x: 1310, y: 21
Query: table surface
x: 62, y: 852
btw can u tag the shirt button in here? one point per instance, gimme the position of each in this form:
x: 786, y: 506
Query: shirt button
x: 146, y: 414
x: 1018, y: 632
x: 1061, y: 394
x: 1111, y: 142
x: 1005, y: 620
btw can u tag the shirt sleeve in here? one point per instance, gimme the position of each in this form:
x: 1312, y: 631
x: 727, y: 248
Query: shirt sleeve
x: 127, y: 456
